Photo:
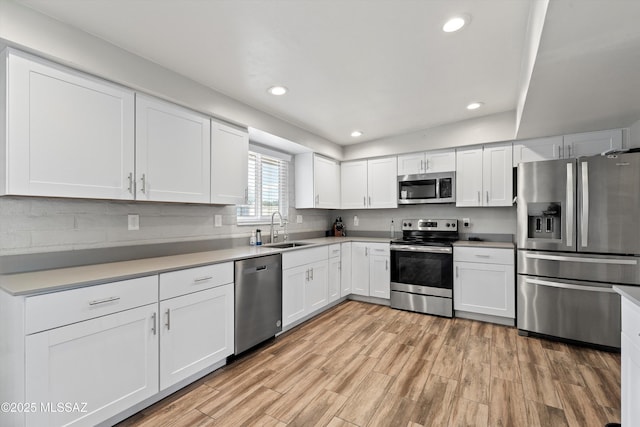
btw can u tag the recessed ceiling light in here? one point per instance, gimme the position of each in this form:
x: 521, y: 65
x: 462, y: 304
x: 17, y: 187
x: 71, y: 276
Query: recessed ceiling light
x: 356, y: 133
x: 277, y: 90
x: 455, y: 23
x: 475, y: 105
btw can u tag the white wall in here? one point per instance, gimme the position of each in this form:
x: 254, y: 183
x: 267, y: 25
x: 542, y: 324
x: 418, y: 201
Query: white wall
x: 492, y: 128
x: 29, y: 30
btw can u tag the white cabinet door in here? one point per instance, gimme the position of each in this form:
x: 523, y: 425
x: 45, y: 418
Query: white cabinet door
x: 469, y: 177
x: 380, y: 276
x: 360, y: 268
x: 335, y: 275
x: 484, y: 288
x: 382, y: 183
x: 630, y: 361
x: 353, y: 185
x: 68, y: 134
x: 229, y: 164
x: 410, y: 164
x: 345, y: 269
x: 110, y: 363
x: 591, y: 143
x: 534, y: 150
x: 196, y: 332
x: 173, y: 148
x: 294, y: 283
x: 497, y: 175
x: 317, y: 292
x: 440, y: 161
x: 326, y: 181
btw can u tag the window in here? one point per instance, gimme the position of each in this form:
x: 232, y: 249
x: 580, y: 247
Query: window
x: 268, y: 186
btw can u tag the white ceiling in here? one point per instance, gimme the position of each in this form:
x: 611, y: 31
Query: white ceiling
x: 384, y: 66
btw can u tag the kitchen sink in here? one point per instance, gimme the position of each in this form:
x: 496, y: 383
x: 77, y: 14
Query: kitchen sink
x: 286, y: 245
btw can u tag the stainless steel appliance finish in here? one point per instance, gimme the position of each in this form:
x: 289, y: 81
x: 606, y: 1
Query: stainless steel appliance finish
x: 422, y: 266
x: 258, y: 300
x: 427, y: 188
x: 577, y: 226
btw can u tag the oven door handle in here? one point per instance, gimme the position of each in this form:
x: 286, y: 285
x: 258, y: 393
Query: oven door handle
x: 428, y: 249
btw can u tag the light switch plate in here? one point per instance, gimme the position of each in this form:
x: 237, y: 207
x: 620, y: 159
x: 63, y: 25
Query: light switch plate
x: 298, y: 219
x: 133, y: 221
x: 217, y: 220
x: 356, y: 221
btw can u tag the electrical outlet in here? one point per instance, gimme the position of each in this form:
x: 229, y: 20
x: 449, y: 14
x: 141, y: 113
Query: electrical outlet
x: 356, y: 221
x: 466, y: 222
x: 298, y: 219
x: 217, y: 220
x: 133, y: 221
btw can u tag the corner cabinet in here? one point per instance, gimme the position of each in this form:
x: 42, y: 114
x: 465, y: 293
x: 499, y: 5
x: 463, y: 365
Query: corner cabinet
x: 484, y: 281
x: 67, y: 134
x: 317, y: 180
x: 369, y: 184
x: 484, y: 176
x: 229, y: 164
x: 172, y: 153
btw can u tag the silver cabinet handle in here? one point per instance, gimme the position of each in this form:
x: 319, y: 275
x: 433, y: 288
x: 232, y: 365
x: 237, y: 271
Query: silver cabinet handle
x: 143, y: 179
x: 103, y: 301
x: 487, y: 197
x: 317, y: 199
x: 311, y: 275
x: 168, y: 324
x: 366, y: 251
x: 569, y: 286
x: 479, y: 200
x: 364, y: 201
x: 154, y: 317
x: 584, y: 221
x: 202, y: 279
x: 307, y: 275
x: 569, y: 214
x: 369, y: 201
x: 386, y: 265
x: 482, y: 256
x: 559, y: 152
x: 130, y: 188
x: 421, y: 165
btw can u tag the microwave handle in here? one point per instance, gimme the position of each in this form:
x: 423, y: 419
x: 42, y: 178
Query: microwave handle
x: 438, y: 182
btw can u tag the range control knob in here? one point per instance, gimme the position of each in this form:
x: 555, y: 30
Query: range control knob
x: 409, y: 224
x: 405, y: 224
x: 448, y: 225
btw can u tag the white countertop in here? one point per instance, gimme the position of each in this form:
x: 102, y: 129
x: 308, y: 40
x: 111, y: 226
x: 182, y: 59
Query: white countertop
x: 632, y: 293
x: 483, y: 244
x: 73, y: 277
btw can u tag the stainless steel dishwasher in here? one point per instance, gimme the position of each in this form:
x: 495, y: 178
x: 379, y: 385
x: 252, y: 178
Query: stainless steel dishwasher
x: 258, y: 297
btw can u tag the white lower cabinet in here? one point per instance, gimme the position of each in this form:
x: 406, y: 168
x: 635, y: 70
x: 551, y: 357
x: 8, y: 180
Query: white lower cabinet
x: 345, y: 269
x: 370, y: 274
x: 630, y: 361
x: 484, y: 281
x: 335, y: 272
x: 305, y: 283
x: 196, y: 332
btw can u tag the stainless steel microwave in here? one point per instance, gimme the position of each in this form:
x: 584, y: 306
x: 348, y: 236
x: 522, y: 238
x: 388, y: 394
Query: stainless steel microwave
x: 427, y: 188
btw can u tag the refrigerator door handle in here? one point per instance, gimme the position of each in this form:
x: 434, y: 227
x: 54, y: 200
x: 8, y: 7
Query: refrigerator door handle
x: 570, y: 198
x: 569, y: 286
x: 582, y: 259
x: 584, y: 220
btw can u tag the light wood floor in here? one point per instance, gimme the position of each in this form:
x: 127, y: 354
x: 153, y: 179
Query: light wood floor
x: 362, y: 364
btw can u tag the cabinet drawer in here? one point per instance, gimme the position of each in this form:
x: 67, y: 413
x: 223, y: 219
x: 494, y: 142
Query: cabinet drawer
x: 62, y: 308
x: 304, y: 256
x: 334, y: 250
x: 183, y: 282
x: 379, y: 248
x: 631, y: 321
x: 484, y: 255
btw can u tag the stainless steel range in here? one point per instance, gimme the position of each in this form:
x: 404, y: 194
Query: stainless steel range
x: 422, y: 266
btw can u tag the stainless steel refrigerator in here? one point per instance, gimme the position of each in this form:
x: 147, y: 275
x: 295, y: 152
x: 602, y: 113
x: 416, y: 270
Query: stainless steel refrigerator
x: 578, y: 234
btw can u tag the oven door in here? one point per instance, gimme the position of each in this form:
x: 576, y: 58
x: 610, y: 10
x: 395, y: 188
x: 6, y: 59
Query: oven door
x: 427, y: 267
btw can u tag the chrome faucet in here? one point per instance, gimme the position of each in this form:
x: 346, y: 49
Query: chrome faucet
x: 274, y: 233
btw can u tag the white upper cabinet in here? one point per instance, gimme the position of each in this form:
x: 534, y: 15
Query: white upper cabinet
x: 353, y: 184
x: 427, y: 162
x: 67, y: 134
x: 592, y: 143
x: 567, y: 146
x: 317, y: 182
x: 369, y: 184
x: 484, y: 176
x: 173, y: 151
x: 229, y: 164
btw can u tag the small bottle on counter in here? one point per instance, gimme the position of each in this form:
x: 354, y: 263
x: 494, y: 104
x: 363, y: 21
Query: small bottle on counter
x: 258, y: 237
x: 252, y: 239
